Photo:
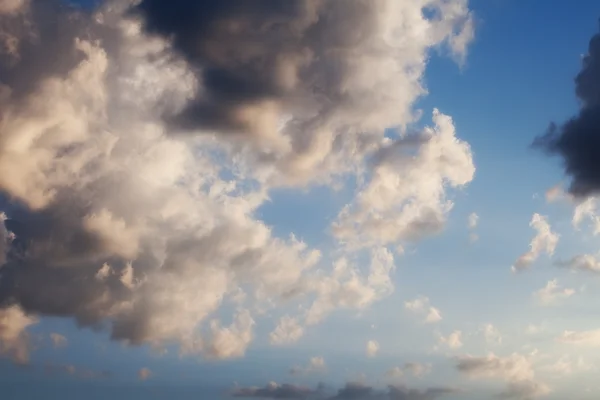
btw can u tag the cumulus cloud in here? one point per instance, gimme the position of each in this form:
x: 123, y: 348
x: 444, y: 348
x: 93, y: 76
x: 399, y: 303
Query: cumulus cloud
x: 58, y: 340
x: 137, y: 146
x: 415, y: 369
x: 288, y: 330
x: 516, y: 370
x: 315, y: 365
x: 14, y: 339
x: 144, y: 374
x: 544, y: 241
x: 576, y: 140
x: 582, y: 263
x: 405, y: 198
x: 491, y: 334
x: 372, y: 348
x: 232, y: 341
x: 453, y: 340
x: 421, y: 306
x: 584, y: 338
x: 552, y: 293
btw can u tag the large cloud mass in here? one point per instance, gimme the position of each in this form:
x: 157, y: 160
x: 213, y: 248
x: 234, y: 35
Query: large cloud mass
x: 577, y: 141
x: 137, y: 143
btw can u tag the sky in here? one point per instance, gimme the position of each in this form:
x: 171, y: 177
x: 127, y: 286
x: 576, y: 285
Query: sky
x: 300, y: 199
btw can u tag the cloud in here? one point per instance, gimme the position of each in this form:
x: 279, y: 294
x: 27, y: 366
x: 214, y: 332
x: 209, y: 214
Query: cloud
x: 453, y: 340
x: 516, y: 370
x: 144, y: 374
x: 361, y: 391
x: 491, y: 334
x: 587, y: 209
x: 232, y: 341
x: 14, y: 339
x: 417, y: 370
x: 372, y: 348
x: 288, y: 331
x: 315, y: 365
x: 472, y: 222
x: 317, y: 71
x: 114, y: 218
x: 422, y: 306
x: 583, y: 338
x: 275, y: 391
x: 566, y: 366
x: 552, y: 293
x: 576, y: 141
x: 75, y: 371
x: 12, y: 6
x: 351, y: 390
x: 405, y: 198
x: 58, y: 340
x: 544, y: 241
x: 583, y: 263
x: 533, y: 329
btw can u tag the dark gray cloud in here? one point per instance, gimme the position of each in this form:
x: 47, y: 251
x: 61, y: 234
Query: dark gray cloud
x: 350, y: 391
x: 577, y: 141
x: 275, y: 391
x: 37, y: 42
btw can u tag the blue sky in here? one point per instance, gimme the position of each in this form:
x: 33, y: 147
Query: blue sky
x: 517, y: 77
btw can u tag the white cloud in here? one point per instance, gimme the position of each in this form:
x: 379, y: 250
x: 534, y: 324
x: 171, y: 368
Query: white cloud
x: 472, y: 222
x: 372, y: 348
x: 417, y: 370
x: 567, y: 365
x: 421, y: 306
x: 583, y: 263
x: 587, y: 209
x: 533, y: 329
x: 585, y: 338
x: 544, y: 241
x: 58, y: 340
x: 14, y: 339
x: 453, y: 340
x: 144, y: 374
x: 552, y: 293
x: 516, y: 370
x: 345, y: 288
x: 491, y: 334
x: 315, y: 365
x: 405, y: 198
x: 232, y: 341
x: 288, y: 331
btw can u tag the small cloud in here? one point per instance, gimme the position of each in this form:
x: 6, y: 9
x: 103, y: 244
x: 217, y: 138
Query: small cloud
x: 552, y: 293
x: 491, y: 334
x: 372, y: 348
x: 421, y: 306
x: 417, y: 370
x: 58, y: 340
x: 315, y: 365
x: 144, y: 374
x: 287, y: 331
x: 533, y: 329
x: 544, y: 241
x: 585, y: 338
x: 453, y: 341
